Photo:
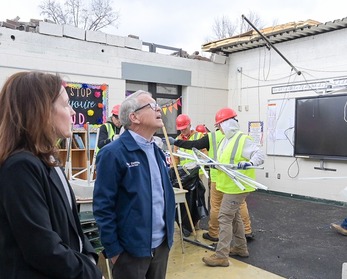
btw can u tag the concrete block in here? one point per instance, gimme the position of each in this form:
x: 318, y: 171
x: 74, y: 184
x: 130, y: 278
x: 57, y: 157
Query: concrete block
x: 218, y: 59
x: 95, y: 36
x: 74, y: 32
x: 344, y: 271
x: 114, y: 40
x: 51, y: 29
x: 133, y: 43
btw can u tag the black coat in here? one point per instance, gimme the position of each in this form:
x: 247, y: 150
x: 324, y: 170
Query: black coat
x: 39, y: 233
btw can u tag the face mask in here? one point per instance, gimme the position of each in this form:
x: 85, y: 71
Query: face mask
x: 230, y: 127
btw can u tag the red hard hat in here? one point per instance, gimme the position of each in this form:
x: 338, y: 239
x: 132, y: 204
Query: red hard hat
x: 224, y: 114
x: 115, y: 110
x: 182, y: 121
x: 201, y: 128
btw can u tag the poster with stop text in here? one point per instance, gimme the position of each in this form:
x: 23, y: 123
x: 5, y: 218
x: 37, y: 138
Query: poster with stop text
x: 89, y: 101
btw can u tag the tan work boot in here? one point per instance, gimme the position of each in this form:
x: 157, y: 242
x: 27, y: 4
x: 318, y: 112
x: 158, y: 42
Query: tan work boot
x: 213, y: 260
x: 234, y: 251
x: 339, y: 229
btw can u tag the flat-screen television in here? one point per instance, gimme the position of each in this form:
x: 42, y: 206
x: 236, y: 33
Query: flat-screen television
x: 321, y: 127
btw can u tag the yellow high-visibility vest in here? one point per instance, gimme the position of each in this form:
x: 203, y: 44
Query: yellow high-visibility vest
x: 110, y: 133
x: 232, y: 154
x: 214, y: 140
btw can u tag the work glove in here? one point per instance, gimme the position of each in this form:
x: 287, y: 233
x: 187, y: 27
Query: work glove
x: 171, y: 140
x: 211, y: 166
x: 244, y: 165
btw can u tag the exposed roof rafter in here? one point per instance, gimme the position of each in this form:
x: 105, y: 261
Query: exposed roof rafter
x: 275, y: 34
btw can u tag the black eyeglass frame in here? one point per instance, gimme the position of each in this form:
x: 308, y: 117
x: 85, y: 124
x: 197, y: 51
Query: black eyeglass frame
x: 153, y: 106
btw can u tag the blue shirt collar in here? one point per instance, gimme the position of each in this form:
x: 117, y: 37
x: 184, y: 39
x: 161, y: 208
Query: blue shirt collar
x: 140, y: 139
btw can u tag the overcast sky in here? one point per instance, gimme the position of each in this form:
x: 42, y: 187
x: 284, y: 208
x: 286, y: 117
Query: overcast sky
x: 187, y: 24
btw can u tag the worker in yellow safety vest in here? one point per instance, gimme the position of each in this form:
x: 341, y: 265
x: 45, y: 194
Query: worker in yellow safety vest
x: 211, y: 143
x: 183, y: 124
x: 110, y: 130
x: 238, y: 149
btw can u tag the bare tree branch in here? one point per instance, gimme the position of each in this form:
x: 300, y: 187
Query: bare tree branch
x: 256, y: 21
x: 52, y: 10
x: 73, y: 8
x: 96, y: 16
x: 224, y: 27
x: 103, y: 14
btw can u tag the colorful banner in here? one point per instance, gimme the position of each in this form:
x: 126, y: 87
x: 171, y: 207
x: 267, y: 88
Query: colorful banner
x: 172, y: 105
x: 89, y: 101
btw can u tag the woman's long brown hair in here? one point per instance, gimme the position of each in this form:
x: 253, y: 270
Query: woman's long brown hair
x: 26, y: 113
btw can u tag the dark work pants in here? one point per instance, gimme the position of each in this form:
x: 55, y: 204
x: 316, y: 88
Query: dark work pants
x: 129, y: 267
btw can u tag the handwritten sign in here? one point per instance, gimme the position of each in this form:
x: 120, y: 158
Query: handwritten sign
x: 89, y: 101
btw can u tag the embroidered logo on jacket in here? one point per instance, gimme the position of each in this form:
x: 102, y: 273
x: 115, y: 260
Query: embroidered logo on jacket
x: 133, y: 164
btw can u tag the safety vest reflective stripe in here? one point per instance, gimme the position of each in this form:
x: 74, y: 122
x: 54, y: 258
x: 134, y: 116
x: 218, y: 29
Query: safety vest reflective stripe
x: 109, y: 130
x: 236, y: 147
x: 110, y: 133
x: 233, y: 153
x: 214, y: 140
x: 213, y: 148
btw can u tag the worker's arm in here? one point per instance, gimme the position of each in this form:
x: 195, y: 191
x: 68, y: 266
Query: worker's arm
x: 253, y: 152
x: 198, y: 144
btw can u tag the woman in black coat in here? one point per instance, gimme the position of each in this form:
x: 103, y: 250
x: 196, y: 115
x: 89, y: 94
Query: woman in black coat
x: 40, y: 232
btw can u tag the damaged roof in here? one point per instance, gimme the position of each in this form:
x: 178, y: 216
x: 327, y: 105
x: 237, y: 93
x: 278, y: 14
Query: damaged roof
x: 275, y: 34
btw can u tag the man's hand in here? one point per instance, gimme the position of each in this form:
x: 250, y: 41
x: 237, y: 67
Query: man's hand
x: 114, y: 259
x: 244, y: 165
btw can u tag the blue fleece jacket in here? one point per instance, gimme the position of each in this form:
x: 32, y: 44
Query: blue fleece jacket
x: 122, y: 201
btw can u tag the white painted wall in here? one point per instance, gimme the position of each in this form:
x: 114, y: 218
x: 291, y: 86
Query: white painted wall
x: 213, y: 86
x: 91, y: 62
x: 319, y: 57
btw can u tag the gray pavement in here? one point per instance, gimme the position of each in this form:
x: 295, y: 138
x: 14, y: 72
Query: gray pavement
x: 293, y: 237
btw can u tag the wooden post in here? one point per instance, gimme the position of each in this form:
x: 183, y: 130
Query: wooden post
x: 178, y: 179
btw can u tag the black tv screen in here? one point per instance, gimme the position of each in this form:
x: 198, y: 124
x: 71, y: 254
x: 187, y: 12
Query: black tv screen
x: 321, y: 127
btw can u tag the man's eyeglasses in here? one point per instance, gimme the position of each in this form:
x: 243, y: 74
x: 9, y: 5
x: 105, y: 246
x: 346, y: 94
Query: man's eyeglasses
x: 153, y: 106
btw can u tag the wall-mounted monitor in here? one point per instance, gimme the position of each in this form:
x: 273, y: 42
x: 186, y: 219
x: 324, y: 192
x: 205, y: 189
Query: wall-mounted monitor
x: 321, y: 127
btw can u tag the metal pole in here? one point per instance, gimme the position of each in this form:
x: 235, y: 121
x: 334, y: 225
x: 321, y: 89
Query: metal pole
x: 94, y: 155
x: 88, y: 154
x: 271, y: 45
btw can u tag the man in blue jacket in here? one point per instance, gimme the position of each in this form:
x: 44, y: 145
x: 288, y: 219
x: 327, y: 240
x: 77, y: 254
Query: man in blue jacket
x: 134, y: 203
